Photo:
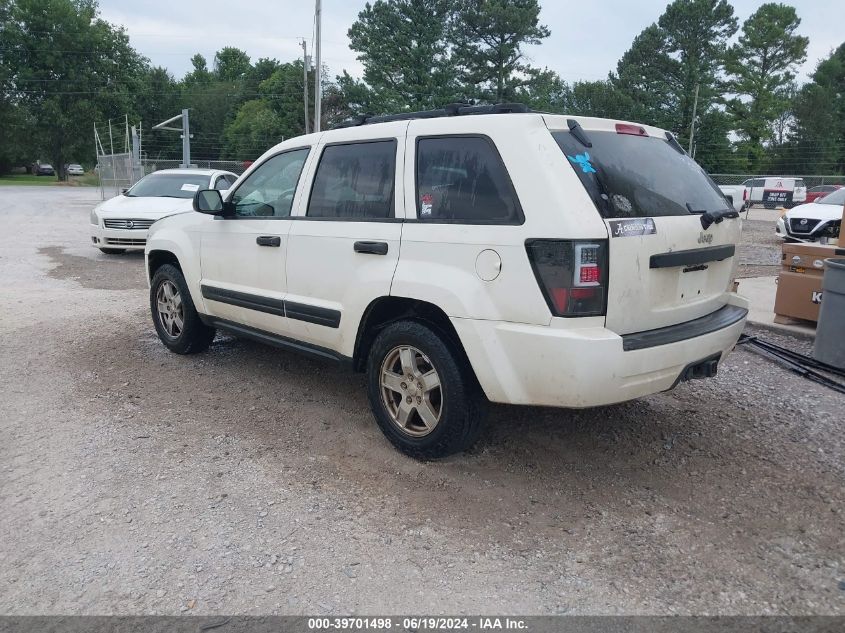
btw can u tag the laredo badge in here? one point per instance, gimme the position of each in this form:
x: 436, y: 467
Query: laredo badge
x: 628, y: 228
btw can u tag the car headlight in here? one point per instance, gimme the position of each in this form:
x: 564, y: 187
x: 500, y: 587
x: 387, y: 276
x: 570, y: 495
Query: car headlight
x: 94, y: 218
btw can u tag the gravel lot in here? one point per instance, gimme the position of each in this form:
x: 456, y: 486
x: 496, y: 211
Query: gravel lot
x: 247, y: 480
x: 760, y: 253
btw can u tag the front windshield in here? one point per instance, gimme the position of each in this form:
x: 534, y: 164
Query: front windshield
x: 837, y: 198
x: 169, y: 186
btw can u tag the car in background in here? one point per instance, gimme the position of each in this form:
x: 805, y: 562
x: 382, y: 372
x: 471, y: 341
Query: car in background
x: 43, y: 169
x: 121, y: 223
x: 819, y: 192
x: 737, y: 195
x: 813, y: 221
x: 74, y: 170
x: 776, y: 191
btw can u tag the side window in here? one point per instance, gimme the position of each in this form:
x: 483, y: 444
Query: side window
x: 269, y: 190
x: 354, y: 181
x: 463, y: 179
x: 222, y: 183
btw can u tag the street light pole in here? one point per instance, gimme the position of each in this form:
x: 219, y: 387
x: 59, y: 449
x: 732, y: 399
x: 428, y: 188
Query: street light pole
x: 305, y: 82
x: 317, y: 69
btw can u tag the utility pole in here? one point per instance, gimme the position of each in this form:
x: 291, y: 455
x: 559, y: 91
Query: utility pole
x: 305, y: 82
x: 692, y: 123
x: 317, y: 69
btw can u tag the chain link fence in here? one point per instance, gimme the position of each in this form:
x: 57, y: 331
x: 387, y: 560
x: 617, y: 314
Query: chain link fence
x: 810, y: 181
x: 116, y: 172
x: 235, y: 166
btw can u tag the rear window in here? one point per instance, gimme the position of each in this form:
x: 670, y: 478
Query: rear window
x: 630, y: 176
x: 462, y: 179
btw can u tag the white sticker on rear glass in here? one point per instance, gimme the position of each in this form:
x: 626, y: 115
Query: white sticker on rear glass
x: 426, y: 205
x: 189, y: 187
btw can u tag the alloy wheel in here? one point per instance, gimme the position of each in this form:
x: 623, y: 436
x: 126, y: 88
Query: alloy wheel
x: 411, y: 391
x: 170, y: 310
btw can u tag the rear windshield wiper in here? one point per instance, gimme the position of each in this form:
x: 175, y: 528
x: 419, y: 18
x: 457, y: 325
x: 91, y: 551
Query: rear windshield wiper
x: 712, y: 217
x: 673, y: 143
x: 578, y: 132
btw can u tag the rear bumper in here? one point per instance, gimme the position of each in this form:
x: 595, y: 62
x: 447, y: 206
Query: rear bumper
x: 579, y: 367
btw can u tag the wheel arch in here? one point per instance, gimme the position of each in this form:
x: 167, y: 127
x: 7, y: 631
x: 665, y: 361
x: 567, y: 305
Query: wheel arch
x: 383, y: 311
x: 159, y: 257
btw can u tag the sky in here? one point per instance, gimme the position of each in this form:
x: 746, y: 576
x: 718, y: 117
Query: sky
x: 588, y: 36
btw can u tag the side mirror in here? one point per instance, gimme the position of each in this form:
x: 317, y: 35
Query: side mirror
x: 123, y: 191
x: 208, y: 201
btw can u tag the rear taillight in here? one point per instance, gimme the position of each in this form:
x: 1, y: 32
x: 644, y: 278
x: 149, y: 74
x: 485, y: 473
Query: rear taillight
x: 744, y: 194
x: 572, y: 275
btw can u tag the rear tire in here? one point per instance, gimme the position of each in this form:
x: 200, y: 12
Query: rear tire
x: 176, y: 320
x: 113, y: 251
x: 423, y: 392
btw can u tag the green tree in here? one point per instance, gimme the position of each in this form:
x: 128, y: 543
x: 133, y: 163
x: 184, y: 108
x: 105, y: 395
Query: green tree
x: 761, y: 67
x: 62, y: 93
x: 200, y: 73
x: 649, y: 78
x: 157, y: 97
x: 489, y: 37
x: 818, y: 141
x: 284, y: 92
x: 255, y: 128
x: 696, y: 34
x: 231, y: 64
x: 600, y: 99
x: 544, y: 91
x: 261, y: 71
x: 402, y: 45
x: 15, y: 148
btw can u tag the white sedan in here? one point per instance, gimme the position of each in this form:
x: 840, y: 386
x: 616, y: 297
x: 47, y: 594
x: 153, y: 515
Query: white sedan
x: 121, y: 223
x: 810, y: 222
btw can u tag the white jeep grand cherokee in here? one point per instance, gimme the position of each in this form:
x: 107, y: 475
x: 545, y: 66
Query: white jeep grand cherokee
x: 465, y: 255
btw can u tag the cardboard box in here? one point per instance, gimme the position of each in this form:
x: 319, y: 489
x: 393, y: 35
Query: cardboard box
x: 807, y: 258
x: 799, y: 293
x: 799, y: 296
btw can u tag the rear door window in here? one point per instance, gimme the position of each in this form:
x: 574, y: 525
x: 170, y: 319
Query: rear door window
x: 354, y: 181
x: 462, y: 179
x: 632, y: 176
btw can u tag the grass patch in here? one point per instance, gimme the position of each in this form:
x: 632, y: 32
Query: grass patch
x: 88, y: 180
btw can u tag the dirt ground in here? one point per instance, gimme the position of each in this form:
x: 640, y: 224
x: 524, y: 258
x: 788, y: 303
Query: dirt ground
x: 247, y: 480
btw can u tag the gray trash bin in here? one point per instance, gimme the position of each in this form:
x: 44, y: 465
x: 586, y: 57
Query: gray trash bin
x: 830, y: 333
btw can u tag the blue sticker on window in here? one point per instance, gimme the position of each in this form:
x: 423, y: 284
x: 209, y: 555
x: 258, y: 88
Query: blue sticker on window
x: 583, y: 161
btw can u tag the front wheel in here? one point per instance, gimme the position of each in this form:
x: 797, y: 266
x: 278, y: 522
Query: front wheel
x: 175, y: 318
x: 422, y: 391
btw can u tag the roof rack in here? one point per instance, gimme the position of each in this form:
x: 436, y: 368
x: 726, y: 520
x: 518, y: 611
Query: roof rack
x: 451, y: 109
